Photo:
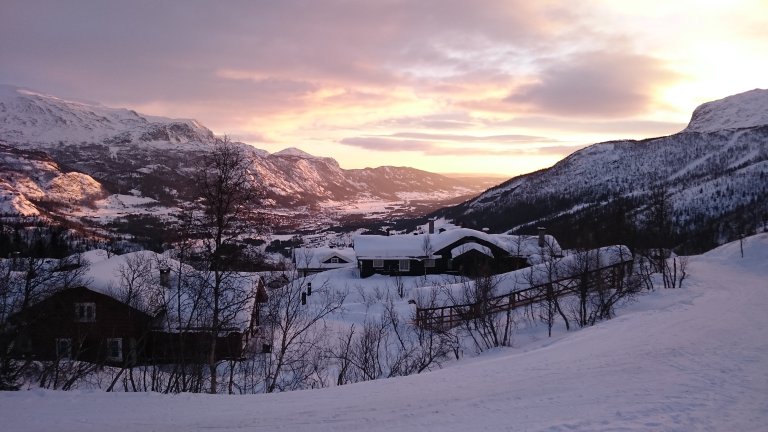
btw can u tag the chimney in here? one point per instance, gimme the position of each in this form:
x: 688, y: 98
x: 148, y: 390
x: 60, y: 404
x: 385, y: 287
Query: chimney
x: 431, y: 226
x: 542, y: 233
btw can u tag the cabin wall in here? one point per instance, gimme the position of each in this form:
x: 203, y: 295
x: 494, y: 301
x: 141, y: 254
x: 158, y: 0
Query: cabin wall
x: 42, y: 324
x: 55, y: 318
x: 392, y: 268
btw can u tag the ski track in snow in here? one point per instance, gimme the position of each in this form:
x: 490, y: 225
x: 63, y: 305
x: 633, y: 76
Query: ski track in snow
x: 694, y: 358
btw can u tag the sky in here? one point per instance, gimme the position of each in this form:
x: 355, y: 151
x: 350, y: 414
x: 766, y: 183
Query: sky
x: 500, y: 87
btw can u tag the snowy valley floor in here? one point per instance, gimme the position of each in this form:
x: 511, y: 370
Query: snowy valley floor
x: 694, y: 358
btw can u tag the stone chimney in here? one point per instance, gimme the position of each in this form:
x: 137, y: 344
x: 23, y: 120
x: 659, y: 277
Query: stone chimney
x: 542, y: 234
x: 431, y: 226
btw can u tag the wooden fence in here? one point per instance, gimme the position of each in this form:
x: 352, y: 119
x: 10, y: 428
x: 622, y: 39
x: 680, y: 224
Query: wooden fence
x: 445, y: 317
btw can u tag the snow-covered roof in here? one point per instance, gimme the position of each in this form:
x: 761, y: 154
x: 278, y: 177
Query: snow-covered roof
x: 316, y: 258
x: 421, y: 245
x: 104, y: 275
x: 466, y: 247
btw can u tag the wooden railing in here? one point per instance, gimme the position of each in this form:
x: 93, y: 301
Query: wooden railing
x: 445, y: 317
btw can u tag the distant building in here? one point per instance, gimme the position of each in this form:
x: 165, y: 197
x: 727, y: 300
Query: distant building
x: 457, y: 251
x: 316, y: 260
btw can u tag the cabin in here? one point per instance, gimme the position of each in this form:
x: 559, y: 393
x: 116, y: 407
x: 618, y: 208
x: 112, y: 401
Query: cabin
x: 315, y: 260
x: 83, y: 324
x: 458, y: 251
x: 78, y: 323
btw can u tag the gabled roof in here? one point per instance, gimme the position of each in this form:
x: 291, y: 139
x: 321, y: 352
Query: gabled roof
x: 319, y: 257
x: 415, y: 246
x: 103, y: 276
x: 466, y: 247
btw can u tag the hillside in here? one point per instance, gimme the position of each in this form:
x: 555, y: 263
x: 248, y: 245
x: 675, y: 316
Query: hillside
x: 715, y: 172
x: 694, y: 358
x: 126, y: 152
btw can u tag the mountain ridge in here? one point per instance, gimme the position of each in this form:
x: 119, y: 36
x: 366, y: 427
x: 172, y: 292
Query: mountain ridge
x: 715, y: 172
x: 156, y: 157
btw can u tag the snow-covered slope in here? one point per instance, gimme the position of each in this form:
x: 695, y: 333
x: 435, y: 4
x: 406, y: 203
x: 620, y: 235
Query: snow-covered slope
x: 28, y: 179
x: 126, y: 151
x: 744, y: 110
x: 716, y: 171
x: 34, y: 118
x: 694, y: 358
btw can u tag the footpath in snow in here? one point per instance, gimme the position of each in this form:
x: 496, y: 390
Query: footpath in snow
x: 694, y: 358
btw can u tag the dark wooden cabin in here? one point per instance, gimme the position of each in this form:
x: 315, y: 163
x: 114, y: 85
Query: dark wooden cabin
x: 82, y: 324
x: 464, y: 251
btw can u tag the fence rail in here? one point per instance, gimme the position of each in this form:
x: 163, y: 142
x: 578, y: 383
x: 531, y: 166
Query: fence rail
x: 445, y: 317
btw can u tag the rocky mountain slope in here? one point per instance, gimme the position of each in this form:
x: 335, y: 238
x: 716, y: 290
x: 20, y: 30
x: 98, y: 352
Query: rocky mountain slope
x: 124, y: 152
x: 715, y: 173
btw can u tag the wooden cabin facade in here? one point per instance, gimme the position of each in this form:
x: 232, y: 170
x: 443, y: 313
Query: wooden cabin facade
x: 463, y: 251
x: 82, y: 324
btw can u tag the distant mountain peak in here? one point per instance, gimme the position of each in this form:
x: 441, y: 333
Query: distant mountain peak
x: 29, y: 117
x: 294, y: 152
x: 743, y: 110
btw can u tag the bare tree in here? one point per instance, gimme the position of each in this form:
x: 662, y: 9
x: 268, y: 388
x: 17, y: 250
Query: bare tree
x: 226, y: 189
x: 389, y: 346
x: 482, y: 321
x: 294, y: 326
x: 22, y: 285
x: 138, y: 283
x: 428, y: 249
x: 601, y: 279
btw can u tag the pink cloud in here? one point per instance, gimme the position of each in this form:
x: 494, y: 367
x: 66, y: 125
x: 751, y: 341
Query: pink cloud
x: 601, y: 83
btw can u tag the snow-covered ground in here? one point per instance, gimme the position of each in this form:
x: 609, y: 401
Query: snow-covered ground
x: 115, y: 206
x: 687, y: 359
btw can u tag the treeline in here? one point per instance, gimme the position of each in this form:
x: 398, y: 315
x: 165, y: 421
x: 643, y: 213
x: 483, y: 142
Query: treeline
x: 35, y: 237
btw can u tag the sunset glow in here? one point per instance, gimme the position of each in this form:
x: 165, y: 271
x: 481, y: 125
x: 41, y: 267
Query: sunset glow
x: 496, y: 86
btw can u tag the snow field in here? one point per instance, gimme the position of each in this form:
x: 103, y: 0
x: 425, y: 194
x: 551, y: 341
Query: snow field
x: 694, y: 358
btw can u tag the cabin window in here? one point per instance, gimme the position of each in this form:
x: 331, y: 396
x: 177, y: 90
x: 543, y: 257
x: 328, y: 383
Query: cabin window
x: 334, y: 260
x: 115, y: 349
x: 64, y: 348
x: 429, y: 263
x: 378, y: 263
x: 85, y: 312
x: 405, y: 265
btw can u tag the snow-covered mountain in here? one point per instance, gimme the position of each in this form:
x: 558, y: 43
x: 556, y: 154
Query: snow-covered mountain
x: 125, y: 152
x: 29, y: 176
x: 715, y: 170
x: 31, y: 118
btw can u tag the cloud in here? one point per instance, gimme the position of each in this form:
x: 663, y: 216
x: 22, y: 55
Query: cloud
x: 390, y: 144
x: 457, y: 120
x: 621, y: 127
x: 434, y: 145
x: 559, y: 150
x: 599, y: 83
x: 515, y: 139
x: 390, y: 76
